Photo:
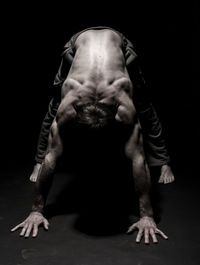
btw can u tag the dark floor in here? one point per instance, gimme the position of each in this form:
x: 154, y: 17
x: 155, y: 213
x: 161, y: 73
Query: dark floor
x: 88, y: 219
x: 80, y: 235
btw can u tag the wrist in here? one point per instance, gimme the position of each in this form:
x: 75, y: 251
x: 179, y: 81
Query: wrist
x: 146, y: 214
x: 36, y: 209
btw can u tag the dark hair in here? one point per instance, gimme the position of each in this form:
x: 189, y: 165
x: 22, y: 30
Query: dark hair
x: 95, y: 115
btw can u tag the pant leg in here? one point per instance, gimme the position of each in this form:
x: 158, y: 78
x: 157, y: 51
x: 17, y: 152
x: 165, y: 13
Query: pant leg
x: 154, y: 141
x: 153, y: 137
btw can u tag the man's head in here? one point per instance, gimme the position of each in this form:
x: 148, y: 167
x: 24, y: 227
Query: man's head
x: 95, y: 115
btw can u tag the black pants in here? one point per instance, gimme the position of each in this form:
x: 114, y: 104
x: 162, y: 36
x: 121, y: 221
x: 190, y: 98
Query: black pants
x: 154, y: 142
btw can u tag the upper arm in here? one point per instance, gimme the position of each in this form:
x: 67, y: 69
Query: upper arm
x: 134, y: 146
x: 126, y: 112
x: 55, y: 145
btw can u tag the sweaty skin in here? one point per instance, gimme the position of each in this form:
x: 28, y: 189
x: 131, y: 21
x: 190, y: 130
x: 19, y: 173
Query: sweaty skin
x: 97, y: 74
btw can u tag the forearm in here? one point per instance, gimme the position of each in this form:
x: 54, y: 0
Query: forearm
x: 145, y: 205
x: 42, y: 186
x: 142, y: 186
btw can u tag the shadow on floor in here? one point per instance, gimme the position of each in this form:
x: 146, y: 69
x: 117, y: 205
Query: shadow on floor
x: 104, y: 199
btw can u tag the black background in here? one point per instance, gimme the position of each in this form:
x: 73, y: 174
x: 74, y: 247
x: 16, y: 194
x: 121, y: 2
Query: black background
x: 32, y: 37
x: 165, y: 35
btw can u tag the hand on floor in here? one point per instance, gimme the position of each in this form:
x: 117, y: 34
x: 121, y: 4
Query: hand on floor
x: 32, y: 223
x: 146, y: 227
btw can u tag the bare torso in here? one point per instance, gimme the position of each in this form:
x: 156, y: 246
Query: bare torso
x: 98, y: 72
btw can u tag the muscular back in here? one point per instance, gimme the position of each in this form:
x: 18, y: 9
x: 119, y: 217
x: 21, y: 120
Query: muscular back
x: 98, y: 57
x: 98, y: 72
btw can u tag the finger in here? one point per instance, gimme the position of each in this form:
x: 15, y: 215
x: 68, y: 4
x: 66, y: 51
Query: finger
x: 153, y: 236
x: 146, y: 236
x: 46, y: 224
x: 161, y: 233
x: 24, y: 230
x: 28, y: 231
x: 139, y: 235
x: 35, y: 230
x: 131, y: 228
x: 16, y: 227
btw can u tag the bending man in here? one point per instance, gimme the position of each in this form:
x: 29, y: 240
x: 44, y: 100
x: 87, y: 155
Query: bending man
x: 154, y: 143
x: 96, y: 91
